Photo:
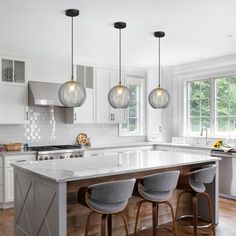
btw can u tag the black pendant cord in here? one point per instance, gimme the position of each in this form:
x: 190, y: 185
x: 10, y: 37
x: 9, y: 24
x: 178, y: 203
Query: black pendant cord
x: 72, y: 49
x: 119, y: 56
x: 159, y: 65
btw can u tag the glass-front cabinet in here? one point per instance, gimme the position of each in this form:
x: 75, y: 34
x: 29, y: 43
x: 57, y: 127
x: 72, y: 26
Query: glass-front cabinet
x: 13, y: 70
x: 13, y: 90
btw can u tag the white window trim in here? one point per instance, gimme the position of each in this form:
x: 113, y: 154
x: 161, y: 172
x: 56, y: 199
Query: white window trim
x: 212, y: 133
x: 138, y: 81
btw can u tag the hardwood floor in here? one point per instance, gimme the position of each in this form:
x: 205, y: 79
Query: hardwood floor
x: 226, y: 227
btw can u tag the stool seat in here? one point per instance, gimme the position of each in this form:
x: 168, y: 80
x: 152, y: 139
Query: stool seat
x: 155, y: 196
x: 106, y: 207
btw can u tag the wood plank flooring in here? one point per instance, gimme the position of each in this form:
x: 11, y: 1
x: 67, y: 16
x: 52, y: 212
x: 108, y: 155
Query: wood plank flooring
x: 226, y: 227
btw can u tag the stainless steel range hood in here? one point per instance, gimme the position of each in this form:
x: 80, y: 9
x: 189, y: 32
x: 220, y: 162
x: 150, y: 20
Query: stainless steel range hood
x: 43, y: 94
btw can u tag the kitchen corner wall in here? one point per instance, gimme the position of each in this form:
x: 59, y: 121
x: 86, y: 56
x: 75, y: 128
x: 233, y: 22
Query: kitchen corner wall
x: 47, y: 127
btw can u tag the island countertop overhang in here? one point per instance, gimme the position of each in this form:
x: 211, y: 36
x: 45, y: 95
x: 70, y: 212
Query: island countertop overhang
x: 109, y: 165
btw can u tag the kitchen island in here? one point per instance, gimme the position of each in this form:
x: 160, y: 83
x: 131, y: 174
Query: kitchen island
x: 46, y: 191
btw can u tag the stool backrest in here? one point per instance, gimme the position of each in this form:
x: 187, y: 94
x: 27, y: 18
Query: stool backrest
x: 162, y: 182
x: 115, y: 191
x: 204, y: 175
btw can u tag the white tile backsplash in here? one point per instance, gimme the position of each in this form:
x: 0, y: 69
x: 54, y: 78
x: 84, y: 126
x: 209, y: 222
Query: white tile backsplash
x: 47, y: 127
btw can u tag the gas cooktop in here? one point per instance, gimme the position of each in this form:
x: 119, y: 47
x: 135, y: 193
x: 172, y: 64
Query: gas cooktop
x: 57, y: 152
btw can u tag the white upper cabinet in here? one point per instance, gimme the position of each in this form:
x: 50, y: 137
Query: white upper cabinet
x: 154, y: 116
x: 105, y: 80
x: 13, y: 91
x: 85, y: 113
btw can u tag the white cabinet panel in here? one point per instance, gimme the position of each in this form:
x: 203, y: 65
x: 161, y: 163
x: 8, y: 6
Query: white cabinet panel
x: 102, y: 90
x: 13, y: 103
x: 154, y: 116
x: 1, y: 193
x: 9, y: 185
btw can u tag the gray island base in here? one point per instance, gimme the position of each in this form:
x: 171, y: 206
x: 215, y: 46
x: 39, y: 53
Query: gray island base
x: 46, y: 191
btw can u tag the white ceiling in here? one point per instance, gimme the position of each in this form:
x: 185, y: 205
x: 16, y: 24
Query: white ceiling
x: 195, y: 29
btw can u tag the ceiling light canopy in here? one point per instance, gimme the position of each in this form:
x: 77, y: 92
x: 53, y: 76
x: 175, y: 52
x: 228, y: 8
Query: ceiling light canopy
x: 72, y: 93
x: 119, y: 96
x: 159, y: 98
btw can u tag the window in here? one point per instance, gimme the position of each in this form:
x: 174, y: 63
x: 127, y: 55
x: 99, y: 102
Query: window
x: 134, y: 124
x: 199, y: 105
x: 226, y: 104
x: 211, y: 103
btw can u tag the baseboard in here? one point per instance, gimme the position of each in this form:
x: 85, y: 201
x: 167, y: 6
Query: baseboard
x: 226, y: 195
x: 7, y: 205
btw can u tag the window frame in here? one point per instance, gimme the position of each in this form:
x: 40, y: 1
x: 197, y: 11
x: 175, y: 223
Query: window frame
x: 135, y: 80
x: 213, y: 109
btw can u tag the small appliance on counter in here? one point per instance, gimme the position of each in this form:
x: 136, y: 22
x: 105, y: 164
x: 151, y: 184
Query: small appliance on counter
x: 83, y: 139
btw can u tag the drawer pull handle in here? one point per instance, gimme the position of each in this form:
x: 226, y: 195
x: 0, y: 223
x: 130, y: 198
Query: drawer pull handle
x: 21, y: 161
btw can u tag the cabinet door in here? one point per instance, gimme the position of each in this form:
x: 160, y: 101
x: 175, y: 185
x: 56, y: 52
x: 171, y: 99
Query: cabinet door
x: 117, y: 115
x: 85, y: 113
x: 154, y: 116
x: 13, y: 103
x: 9, y: 185
x: 102, y: 90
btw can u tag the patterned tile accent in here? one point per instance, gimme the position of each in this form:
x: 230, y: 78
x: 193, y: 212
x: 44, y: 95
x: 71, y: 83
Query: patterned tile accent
x: 47, y: 127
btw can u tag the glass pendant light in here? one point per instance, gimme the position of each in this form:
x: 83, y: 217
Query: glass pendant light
x: 72, y: 93
x: 159, y: 98
x: 119, y: 96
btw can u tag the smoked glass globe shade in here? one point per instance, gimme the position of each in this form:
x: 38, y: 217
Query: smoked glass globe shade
x: 72, y: 94
x: 159, y: 98
x: 119, y: 97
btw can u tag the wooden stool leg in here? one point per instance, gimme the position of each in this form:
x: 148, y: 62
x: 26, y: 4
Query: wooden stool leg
x: 103, y: 225
x: 154, y: 218
x: 211, y: 212
x: 178, y: 201
x: 88, y: 222
x: 109, y: 222
x: 175, y: 230
x: 137, y: 216
x: 195, y: 213
x: 125, y: 223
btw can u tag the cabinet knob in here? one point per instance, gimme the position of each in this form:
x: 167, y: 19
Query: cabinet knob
x: 160, y: 129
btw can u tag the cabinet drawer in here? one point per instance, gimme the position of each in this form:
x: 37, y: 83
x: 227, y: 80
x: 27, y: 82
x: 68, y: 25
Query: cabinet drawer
x: 94, y: 153
x: 18, y: 158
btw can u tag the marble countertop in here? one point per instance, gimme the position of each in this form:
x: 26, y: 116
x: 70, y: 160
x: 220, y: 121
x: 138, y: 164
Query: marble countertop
x: 14, y: 153
x: 106, y: 165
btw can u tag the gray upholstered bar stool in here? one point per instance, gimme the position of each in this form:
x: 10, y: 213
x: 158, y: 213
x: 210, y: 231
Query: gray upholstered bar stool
x: 157, y: 189
x: 108, y: 199
x: 193, y: 183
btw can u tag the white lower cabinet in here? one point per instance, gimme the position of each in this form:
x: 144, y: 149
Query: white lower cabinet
x: 8, y: 176
x: 9, y: 185
x: 1, y: 181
